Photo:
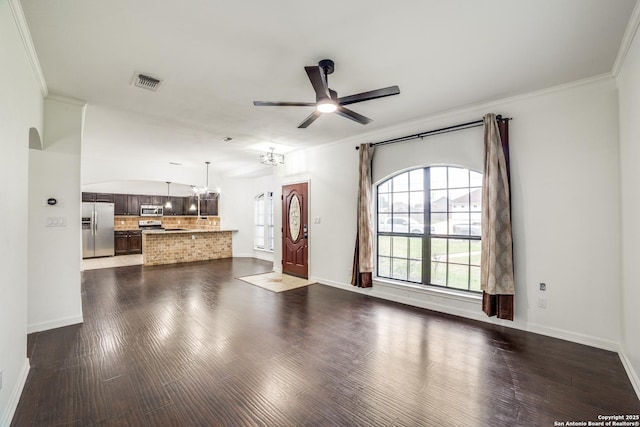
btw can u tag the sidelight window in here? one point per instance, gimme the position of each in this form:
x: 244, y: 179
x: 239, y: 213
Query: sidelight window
x: 429, y: 227
x: 263, y: 220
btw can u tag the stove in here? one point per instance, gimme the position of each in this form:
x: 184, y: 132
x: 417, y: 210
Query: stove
x: 150, y: 224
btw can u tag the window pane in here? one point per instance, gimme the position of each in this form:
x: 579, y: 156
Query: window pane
x: 475, y: 252
x: 459, y: 200
x: 385, y: 187
x: 399, y: 248
x: 400, y: 223
x: 384, y: 267
x: 474, y: 279
x: 458, y: 251
x: 475, y: 200
x: 439, y: 201
x: 399, y: 268
x: 384, y: 245
x: 458, y: 177
x: 458, y: 276
x: 415, y: 223
x: 384, y: 223
x: 438, y: 177
x: 460, y: 224
x: 416, y: 201
x: 439, y: 273
x: 439, y: 250
x: 475, y: 179
x: 416, y: 180
x: 384, y: 203
x: 400, y: 202
x: 415, y: 248
x: 476, y: 224
x: 400, y: 182
x: 439, y: 223
x: 415, y: 271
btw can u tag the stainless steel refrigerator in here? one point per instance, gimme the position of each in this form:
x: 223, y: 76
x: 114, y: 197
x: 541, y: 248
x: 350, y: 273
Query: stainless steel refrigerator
x: 97, y: 229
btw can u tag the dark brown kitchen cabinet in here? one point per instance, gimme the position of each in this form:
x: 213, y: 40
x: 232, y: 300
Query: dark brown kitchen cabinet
x: 97, y: 197
x: 133, y: 204
x: 121, y: 206
x: 209, y: 207
x: 188, y: 202
x: 88, y: 197
x: 145, y: 200
x: 177, y: 206
x: 127, y: 242
x: 135, y: 242
x: 104, y: 197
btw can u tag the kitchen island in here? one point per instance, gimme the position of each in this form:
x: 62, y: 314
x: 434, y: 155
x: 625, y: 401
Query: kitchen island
x: 185, y: 245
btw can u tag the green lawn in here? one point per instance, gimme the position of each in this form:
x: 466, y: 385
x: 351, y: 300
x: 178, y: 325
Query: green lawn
x: 454, y: 262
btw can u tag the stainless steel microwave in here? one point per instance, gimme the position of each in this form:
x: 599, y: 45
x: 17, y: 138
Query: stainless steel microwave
x: 151, y: 210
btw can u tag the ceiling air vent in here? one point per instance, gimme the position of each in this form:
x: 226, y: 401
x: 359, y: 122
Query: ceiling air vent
x: 146, y: 82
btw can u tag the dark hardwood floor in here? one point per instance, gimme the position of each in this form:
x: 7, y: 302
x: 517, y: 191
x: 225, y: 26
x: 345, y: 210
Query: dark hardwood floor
x: 190, y: 345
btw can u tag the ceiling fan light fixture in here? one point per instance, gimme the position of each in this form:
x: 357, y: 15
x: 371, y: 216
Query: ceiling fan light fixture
x: 326, y: 106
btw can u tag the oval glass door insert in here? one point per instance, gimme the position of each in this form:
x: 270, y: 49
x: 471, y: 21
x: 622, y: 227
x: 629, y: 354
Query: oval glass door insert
x: 294, y: 217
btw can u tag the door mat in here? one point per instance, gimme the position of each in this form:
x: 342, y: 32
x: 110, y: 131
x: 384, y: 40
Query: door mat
x: 276, y: 282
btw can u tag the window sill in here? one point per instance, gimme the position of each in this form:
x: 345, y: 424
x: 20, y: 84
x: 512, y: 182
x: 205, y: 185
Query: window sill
x: 263, y: 250
x: 429, y: 290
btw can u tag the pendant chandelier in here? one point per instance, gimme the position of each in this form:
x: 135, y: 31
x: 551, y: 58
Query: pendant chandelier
x: 206, y: 192
x: 272, y: 158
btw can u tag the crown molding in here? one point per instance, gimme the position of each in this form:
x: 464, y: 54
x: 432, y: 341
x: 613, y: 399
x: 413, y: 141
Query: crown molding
x: 627, y: 40
x: 65, y: 99
x: 27, y: 42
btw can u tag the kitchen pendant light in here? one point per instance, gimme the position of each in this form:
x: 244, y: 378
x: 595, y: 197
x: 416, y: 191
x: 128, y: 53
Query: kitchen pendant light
x: 168, y: 204
x: 204, y: 192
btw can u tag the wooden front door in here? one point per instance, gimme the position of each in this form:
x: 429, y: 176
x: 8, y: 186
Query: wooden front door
x: 295, y: 240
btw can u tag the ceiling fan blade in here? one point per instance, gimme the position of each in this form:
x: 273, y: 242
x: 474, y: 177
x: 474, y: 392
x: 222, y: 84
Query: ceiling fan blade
x: 366, y: 96
x: 318, y: 82
x: 312, y: 118
x: 349, y: 114
x: 283, y: 104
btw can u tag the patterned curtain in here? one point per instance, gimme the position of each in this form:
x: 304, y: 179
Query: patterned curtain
x: 496, y: 280
x: 362, y: 272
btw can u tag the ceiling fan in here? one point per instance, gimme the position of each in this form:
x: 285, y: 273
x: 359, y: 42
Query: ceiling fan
x: 327, y: 100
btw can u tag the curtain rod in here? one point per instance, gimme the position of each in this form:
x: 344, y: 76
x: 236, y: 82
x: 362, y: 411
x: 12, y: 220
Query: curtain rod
x: 461, y: 126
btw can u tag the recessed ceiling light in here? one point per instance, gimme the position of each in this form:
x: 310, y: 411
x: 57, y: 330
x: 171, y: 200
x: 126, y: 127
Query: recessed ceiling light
x: 175, y: 163
x: 227, y: 139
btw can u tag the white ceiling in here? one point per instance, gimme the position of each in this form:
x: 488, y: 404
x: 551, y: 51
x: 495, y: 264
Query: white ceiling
x: 217, y: 56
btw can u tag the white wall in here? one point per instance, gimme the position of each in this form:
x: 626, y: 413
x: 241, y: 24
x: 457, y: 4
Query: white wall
x: 564, y: 155
x: 55, y: 252
x: 236, y: 210
x: 20, y: 109
x: 629, y: 112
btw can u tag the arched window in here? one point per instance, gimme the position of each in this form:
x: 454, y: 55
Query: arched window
x: 263, y: 218
x: 429, y: 227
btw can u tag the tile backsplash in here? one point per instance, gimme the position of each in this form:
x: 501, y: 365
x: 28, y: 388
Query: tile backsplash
x: 131, y: 222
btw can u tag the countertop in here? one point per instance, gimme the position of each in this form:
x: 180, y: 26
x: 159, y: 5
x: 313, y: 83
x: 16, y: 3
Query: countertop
x: 184, y: 231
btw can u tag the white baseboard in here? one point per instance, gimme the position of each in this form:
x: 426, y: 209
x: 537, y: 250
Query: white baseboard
x: 631, y: 373
x: 52, y: 324
x: 14, y: 398
x: 472, y: 311
x: 265, y: 256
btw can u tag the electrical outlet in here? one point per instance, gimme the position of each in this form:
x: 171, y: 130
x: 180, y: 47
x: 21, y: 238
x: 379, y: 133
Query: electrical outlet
x: 542, y: 302
x: 543, y: 286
